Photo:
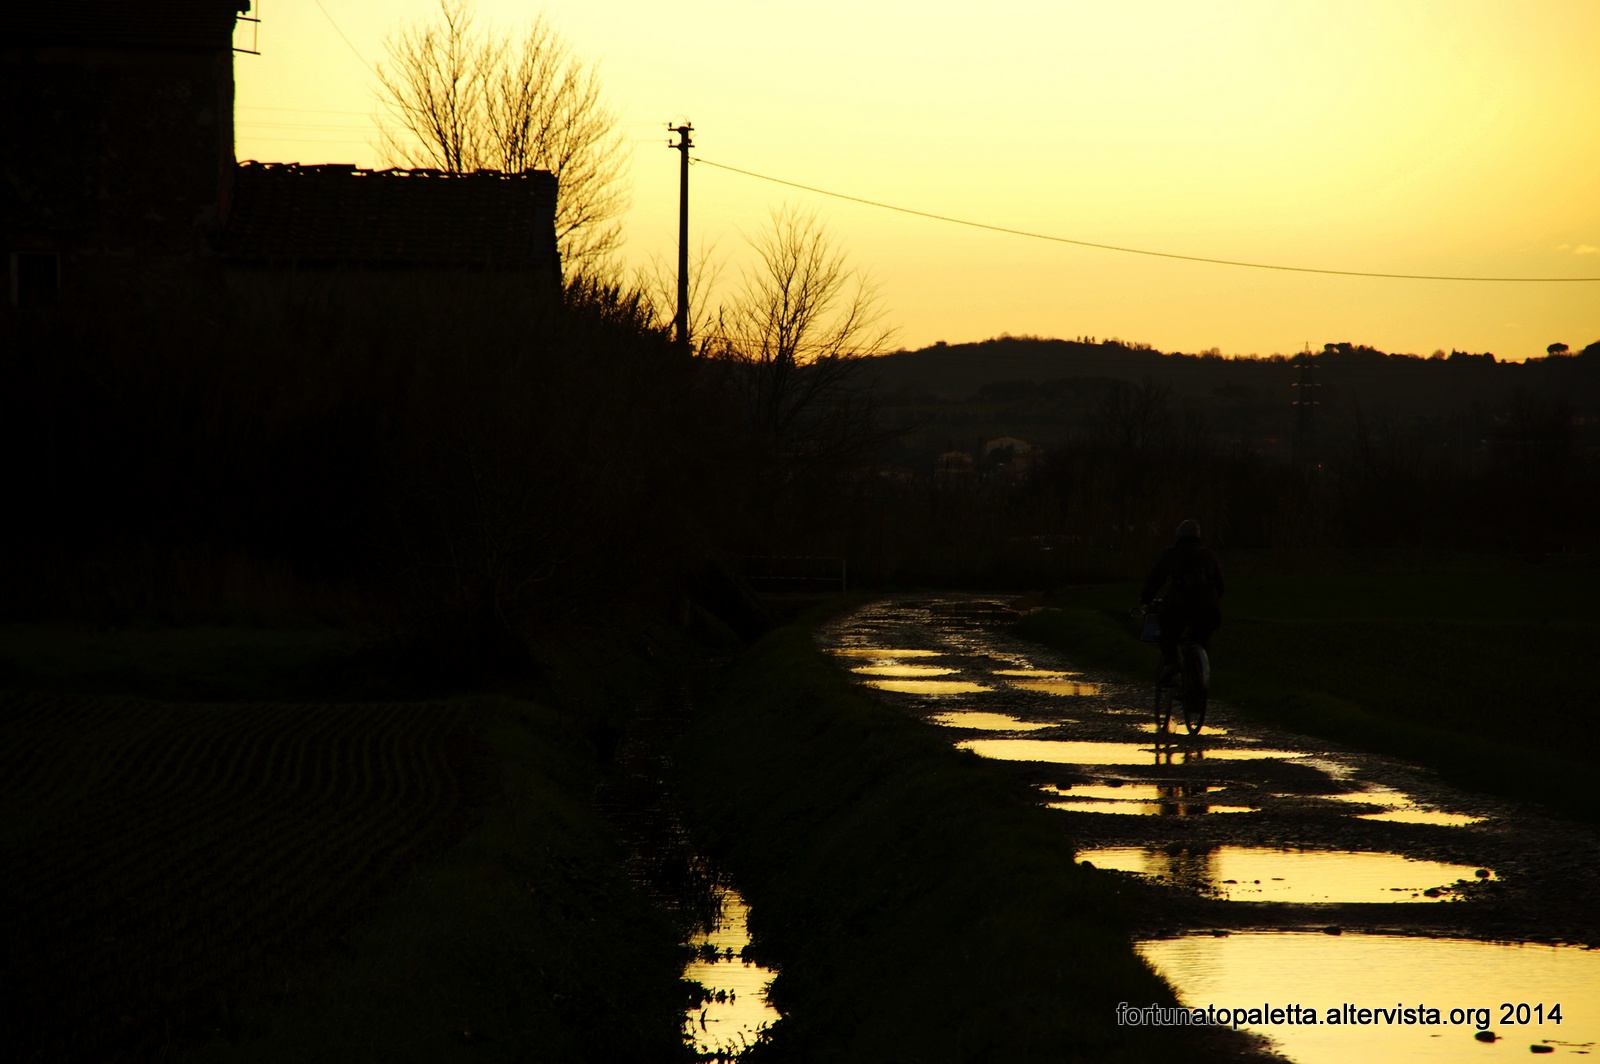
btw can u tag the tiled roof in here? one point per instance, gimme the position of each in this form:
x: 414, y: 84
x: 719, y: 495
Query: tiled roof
x: 121, y: 23
x: 284, y: 212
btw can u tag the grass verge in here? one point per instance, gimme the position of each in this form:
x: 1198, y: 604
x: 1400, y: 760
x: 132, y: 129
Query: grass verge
x: 1474, y: 667
x: 919, y: 906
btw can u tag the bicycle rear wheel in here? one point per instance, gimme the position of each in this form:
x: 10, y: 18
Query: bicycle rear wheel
x: 1194, y: 695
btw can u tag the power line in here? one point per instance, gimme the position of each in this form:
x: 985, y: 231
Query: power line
x: 1133, y: 251
x: 303, y: 110
x: 307, y: 140
x: 301, y: 127
x: 354, y: 51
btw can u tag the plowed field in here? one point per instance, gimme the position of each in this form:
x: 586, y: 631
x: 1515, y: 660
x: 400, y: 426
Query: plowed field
x: 159, y: 857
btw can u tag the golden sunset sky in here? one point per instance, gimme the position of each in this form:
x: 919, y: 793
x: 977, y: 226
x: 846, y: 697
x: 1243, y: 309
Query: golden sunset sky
x: 1457, y: 137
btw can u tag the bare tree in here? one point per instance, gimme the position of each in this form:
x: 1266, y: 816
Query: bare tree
x: 787, y: 349
x: 462, y: 99
x: 799, y: 325
x: 657, y: 284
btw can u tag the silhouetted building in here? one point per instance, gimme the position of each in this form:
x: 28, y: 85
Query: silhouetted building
x: 118, y: 180
x: 118, y: 144
x: 340, y: 218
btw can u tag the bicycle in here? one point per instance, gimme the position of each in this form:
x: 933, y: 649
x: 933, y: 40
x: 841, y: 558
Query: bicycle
x: 1188, y: 680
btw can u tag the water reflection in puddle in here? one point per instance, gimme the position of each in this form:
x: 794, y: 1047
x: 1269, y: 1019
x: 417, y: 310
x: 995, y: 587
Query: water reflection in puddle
x: 1083, y: 752
x: 1174, y: 807
x: 987, y: 721
x: 1320, y: 972
x: 885, y: 653
x: 736, y: 1010
x: 902, y: 670
x: 1140, y: 799
x: 1424, y: 816
x: 928, y: 687
x: 1211, y: 729
x: 1035, y: 674
x: 1056, y: 751
x: 1056, y: 687
x: 1245, y: 873
x: 1399, y: 807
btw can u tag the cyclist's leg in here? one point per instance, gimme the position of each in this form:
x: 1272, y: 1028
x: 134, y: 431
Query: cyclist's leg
x: 1171, y: 629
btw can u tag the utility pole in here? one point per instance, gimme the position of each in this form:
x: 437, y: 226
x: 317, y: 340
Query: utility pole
x: 1304, y: 403
x: 681, y: 322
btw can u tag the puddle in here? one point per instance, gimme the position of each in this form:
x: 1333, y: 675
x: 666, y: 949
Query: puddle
x: 1150, y: 727
x: 928, y: 687
x: 1175, y: 807
x: 979, y: 721
x: 1320, y: 972
x: 1123, y: 792
x: 1056, y: 687
x: 1061, y: 752
x: 1244, y: 873
x: 1139, y: 799
x: 902, y: 670
x: 1084, y: 752
x: 1400, y: 808
x: 1035, y: 674
x: 737, y: 1010
x: 1424, y: 816
x: 1334, y: 770
x: 884, y: 653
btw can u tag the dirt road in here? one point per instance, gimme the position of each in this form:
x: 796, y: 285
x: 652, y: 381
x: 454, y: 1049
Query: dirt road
x: 1242, y: 827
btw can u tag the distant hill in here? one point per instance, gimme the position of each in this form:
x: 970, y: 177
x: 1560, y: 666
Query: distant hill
x: 958, y: 370
x: 1347, y: 372
x: 1042, y: 390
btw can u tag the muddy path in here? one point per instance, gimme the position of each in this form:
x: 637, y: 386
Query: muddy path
x: 1221, y: 830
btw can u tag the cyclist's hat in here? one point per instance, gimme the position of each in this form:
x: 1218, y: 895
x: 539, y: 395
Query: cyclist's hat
x: 1189, y: 528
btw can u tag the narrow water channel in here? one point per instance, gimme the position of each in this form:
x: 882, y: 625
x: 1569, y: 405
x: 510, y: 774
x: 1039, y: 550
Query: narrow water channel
x: 731, y: 1012
x: 1278, y: 870
x: 735, y: 1011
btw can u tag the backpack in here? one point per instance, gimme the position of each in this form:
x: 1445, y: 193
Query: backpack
x: 1191, y: 576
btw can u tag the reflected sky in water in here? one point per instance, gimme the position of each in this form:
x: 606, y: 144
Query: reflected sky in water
x: 1247, y: 873
x: 1056, y: 687
x: 1376, y: 971
x: 1084, y: 752
x: 1399, y: 807
x: 928, y: 687
x: 884, y: 653
x: 902, y: 670
x: 731, y: 1024
x: 1173, y: 798
x: 980, y: 721
x: 1174, y: 807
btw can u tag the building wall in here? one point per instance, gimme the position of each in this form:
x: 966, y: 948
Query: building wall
x: 118, y: 161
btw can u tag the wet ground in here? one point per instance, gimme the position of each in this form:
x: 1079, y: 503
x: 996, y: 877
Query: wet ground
x: 1348, y: 859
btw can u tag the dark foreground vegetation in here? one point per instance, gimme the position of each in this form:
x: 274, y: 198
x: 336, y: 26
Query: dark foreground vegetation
x: 919, y: 904
x: 328, y: 604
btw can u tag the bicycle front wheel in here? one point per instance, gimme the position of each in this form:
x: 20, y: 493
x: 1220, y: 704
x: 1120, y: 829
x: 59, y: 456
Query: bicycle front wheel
x: 1164, y: 692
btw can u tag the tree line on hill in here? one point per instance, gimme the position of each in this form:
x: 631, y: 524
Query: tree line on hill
x: 459, y: 462
x: 1454, y: 451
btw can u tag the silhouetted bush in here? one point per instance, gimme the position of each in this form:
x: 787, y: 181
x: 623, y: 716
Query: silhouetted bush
x: 450, y: 454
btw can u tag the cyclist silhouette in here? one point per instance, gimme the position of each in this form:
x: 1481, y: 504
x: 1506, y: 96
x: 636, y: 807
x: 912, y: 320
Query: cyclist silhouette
x: 1194, y: 595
